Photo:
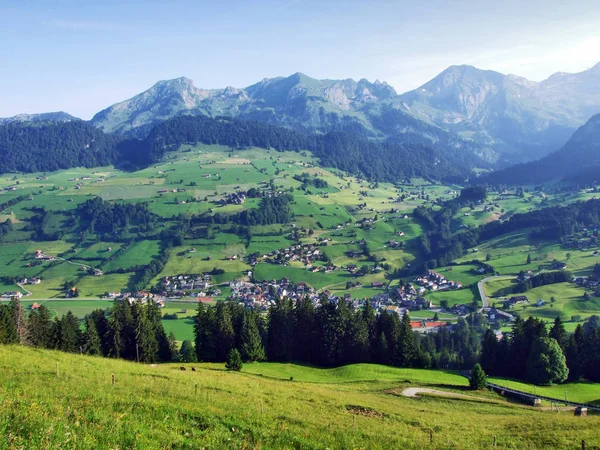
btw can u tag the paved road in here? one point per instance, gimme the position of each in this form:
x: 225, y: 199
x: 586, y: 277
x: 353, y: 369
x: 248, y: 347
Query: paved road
x: 413, y: 392
x: 484, y: 299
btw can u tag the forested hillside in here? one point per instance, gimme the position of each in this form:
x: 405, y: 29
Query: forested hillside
x: 50, y: 146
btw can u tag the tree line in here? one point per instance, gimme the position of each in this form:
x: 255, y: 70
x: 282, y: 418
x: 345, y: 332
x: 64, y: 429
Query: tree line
x: 327, y: 334
x: 330, y: 334
x: 532, y: 353
x: 127, y: 331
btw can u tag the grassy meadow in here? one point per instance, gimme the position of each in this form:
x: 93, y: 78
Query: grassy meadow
x: 350, y: 407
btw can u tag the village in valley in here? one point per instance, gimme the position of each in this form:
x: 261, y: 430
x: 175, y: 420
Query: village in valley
x: 348, y: 240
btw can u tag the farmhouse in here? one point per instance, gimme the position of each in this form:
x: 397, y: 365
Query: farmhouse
x: 513, y: 301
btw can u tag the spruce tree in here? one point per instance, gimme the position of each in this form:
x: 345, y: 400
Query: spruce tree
x: 558, y: 332
x: 224, y: 333
x: 8, y: 330
x: 280, y: 331
x: 101, y: 322
x: 70, y: 334
x: 20, y: 319
x: 145, y: 334
x: 92, y: 345
x: 40, y: 327
x: 478, y: 379
x: 357, y: 347
x: 173, y: 348
x: 381, y: 352
x: 490, y: 359
x: 406, y: 350
x: 304, y: 323
x: 204, y: 332
x: 575, y: 354
x: 187, y: 352
x: 234, y: 360
x: 252, y: 347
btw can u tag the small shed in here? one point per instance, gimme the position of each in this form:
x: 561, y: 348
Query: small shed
x: 581, y: 411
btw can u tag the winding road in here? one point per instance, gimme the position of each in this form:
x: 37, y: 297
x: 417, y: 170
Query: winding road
x: 484, y: 300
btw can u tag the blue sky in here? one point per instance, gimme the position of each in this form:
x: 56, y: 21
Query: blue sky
x: 82, y: 56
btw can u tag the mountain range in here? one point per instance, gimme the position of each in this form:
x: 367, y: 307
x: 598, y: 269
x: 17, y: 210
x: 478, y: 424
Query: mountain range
x: 496, y: 120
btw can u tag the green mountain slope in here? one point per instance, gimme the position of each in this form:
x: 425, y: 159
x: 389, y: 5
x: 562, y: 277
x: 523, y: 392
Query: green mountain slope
x: 56, y: 400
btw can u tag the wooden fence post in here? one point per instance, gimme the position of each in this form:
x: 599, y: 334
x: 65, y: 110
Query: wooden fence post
x: 431, y: 436
x: 113, y: 379
x: 56, y: 369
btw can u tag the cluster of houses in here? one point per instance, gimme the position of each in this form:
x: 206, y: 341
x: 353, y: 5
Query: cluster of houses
x: 307, y: 254
x: 409, y: 298
x: 189, y: 285
x: 11, y: 294
x: 434, y: 281
x: 261, y: 295
x: 234, y: 198
x: 139, y: 296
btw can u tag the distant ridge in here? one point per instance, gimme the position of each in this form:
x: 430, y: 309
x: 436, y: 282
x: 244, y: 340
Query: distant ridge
x: 59, y: 116
x: 578, y: 161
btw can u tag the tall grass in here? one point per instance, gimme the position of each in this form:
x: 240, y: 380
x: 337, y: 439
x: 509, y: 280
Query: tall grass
x: 164, y: 407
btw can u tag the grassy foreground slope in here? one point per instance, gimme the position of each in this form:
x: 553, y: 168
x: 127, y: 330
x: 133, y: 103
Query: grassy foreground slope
x: 163, y: 407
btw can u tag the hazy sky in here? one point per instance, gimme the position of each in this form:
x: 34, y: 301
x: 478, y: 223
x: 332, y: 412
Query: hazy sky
x: 82, y: 56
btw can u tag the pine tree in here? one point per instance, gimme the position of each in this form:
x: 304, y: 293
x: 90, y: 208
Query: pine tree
x: 164, y: 353
x: 204, y: 332
x: 381, y: 352
x: 575, y: 354
x: 92, y: 345
x: 234, y: 360
x: 280, y: 331
x: 224, y: 333
x: 491, y: 359
x: 357, y: 346
x: 406, y: 350
x: 251, y: 343
x: 478, y: 379
x: 145, y: 334
x: 558, y: 332
x: 173, y: 348
x: 70, y: 334
x: 187, y: 352
x: 8, y: 330
x: 20, y: 320
x: 102, y: 325
x: 304, y: 324
x: 40, y: 327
